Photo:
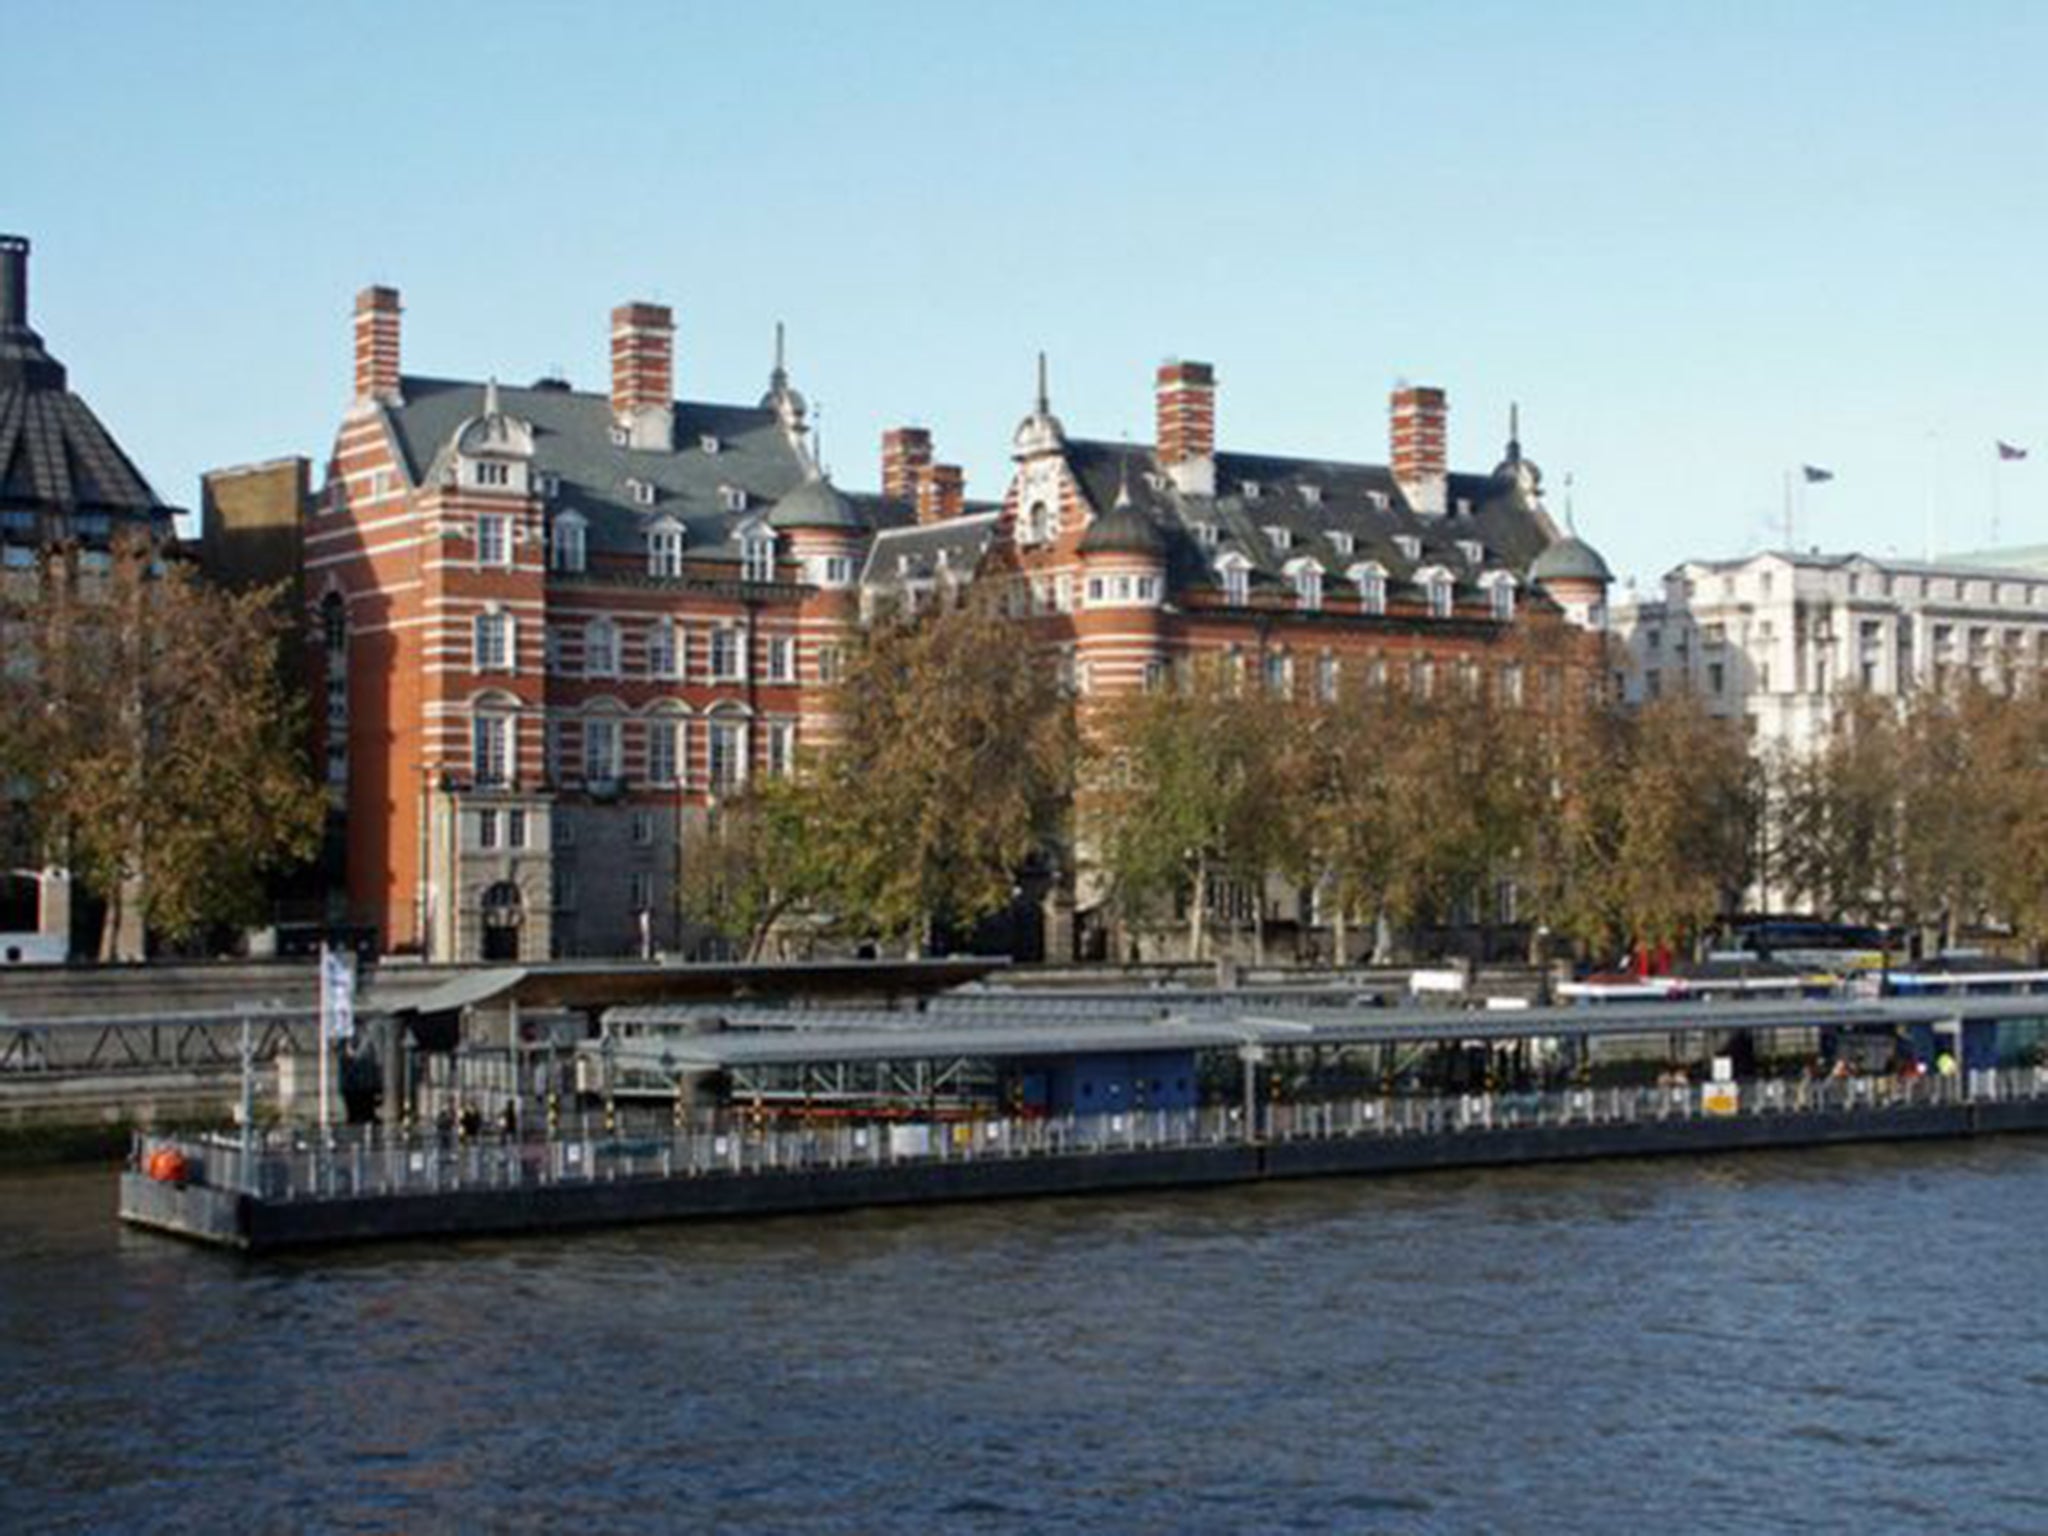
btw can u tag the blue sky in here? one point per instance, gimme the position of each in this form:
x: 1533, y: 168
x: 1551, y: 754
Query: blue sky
x: 1699, y: 244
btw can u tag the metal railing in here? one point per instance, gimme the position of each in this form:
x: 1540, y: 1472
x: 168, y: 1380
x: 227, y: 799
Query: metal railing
x: 370, y: 1161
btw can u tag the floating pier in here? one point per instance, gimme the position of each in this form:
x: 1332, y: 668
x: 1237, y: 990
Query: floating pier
x: 781, y: 1114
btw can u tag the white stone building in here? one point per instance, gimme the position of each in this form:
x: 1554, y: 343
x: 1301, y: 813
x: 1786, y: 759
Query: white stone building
x: 1778, y: 638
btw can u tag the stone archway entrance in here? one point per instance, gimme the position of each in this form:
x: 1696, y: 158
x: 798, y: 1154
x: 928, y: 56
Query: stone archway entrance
x: 504, y: 912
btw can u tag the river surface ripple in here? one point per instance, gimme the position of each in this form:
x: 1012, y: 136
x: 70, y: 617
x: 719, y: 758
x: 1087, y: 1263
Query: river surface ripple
x: 1847, y: 1340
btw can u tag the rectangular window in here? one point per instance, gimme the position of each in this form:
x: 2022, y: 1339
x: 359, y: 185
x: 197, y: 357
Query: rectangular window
x: 831, y: 663
x: 515, y: 829
x: 601, y: 649
x: 781, y: 659
x: 661, y: 649
x: 727, y: 745
x: 600, y: 750
x: 727, y: 656
x: 1326, y: 679
x: 641, y: 891
x: 492, y: 545
x: 643, y: 829
x: 487, y: 829
x: 665, y: 552
x: 1503, y: 601
x: 781, y: 747
x: 491, y: 638
x: 1237, y: 586
x: 551, y: 750
x: 490, y: 744
x: 661, y: 751
x: 757, y: 560
x: 494, y: 474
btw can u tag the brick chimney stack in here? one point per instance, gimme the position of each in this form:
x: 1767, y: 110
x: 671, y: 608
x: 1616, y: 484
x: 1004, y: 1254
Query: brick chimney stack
x: 1185, y: 394
x: 1419, y: 447
x: 906, y: 457
x: 377, y: 311
x: 941, y: 493
x: 643, y: 373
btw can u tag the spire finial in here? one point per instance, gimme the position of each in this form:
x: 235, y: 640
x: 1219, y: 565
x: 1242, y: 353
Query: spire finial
x: 778, y: 376
x: 491, y: 396
x: 1123, y: 473
x: 1571, y: 525
x: 1514, y: 429
x: 1044, y: 395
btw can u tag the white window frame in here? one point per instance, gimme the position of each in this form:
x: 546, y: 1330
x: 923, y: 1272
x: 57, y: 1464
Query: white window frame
x: 490, y: 744
x: 568, y: 544
x: 780, y: 660
x: 1371, y: 580
x: 757, y: 557
x: 664, y: 649
x: 665, y: 744
x: 781, y: 748
x: 600, y: 648
x: 493, y: 539
x: 725, y: 754
x: 727, y: 659
x: 665, y: 550
x: 600, y: 749
x: 493, y: 638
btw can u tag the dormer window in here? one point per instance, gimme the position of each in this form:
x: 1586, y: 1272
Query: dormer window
x: 1343, y: 542
x: 642, y: 492
x: 1472, y: 550
x: 1278, y: 537
x: 709, y: 442
x: 1307, y: 577
x: 1500, y: 595
x: 665, y: 550
x: 550, y: 485
x: 621, y: 434
x: 1250, y: 490
x: 1236, y: 572
x: 493, y: 475
x: 566, y: 543
x: 1205, y: 534
x: 1437, y: 589
x: 757, y: 556
x: 732, y: 497
x: 1464, y: 506
x: 1312, y: 494
x: 1409, y: 545
x: 1371, y: 581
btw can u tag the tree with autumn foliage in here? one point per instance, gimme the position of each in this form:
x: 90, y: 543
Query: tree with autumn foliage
x: 950, y: 772
x: 753, y: 862
x: 151, y: 741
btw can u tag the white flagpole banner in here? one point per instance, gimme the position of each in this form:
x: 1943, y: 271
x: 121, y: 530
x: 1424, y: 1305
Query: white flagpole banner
x: 338, y: 993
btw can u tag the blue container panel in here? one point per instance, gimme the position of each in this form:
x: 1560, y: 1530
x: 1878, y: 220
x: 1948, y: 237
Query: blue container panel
x: 1113, y: 1084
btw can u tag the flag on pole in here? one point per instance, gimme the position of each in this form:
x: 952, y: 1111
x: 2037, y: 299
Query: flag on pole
x: 1815, y: 475
x: 2007, y: 452
x: 338, y: 993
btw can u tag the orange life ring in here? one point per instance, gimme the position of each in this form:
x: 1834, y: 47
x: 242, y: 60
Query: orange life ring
x: 167, y: 1165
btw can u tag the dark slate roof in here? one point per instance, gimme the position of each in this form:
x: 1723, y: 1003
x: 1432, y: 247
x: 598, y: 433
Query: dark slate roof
x: 55, y: 457
x: 918, y: 553
x: 1124, y: 530
x: 573, y: 443
x: 816, y: 503
x: 1313, y: 500
x: 1570, y: 559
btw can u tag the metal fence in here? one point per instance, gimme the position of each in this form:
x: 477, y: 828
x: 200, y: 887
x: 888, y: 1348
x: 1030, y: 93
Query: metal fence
x: 370, y: 1161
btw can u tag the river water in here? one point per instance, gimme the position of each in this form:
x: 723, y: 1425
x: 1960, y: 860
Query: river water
x: 1850, y: 1340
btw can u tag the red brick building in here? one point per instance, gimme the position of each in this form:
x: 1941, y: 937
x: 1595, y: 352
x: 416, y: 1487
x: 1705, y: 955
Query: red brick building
x: 1129, y: 561
x: 553, y: 625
